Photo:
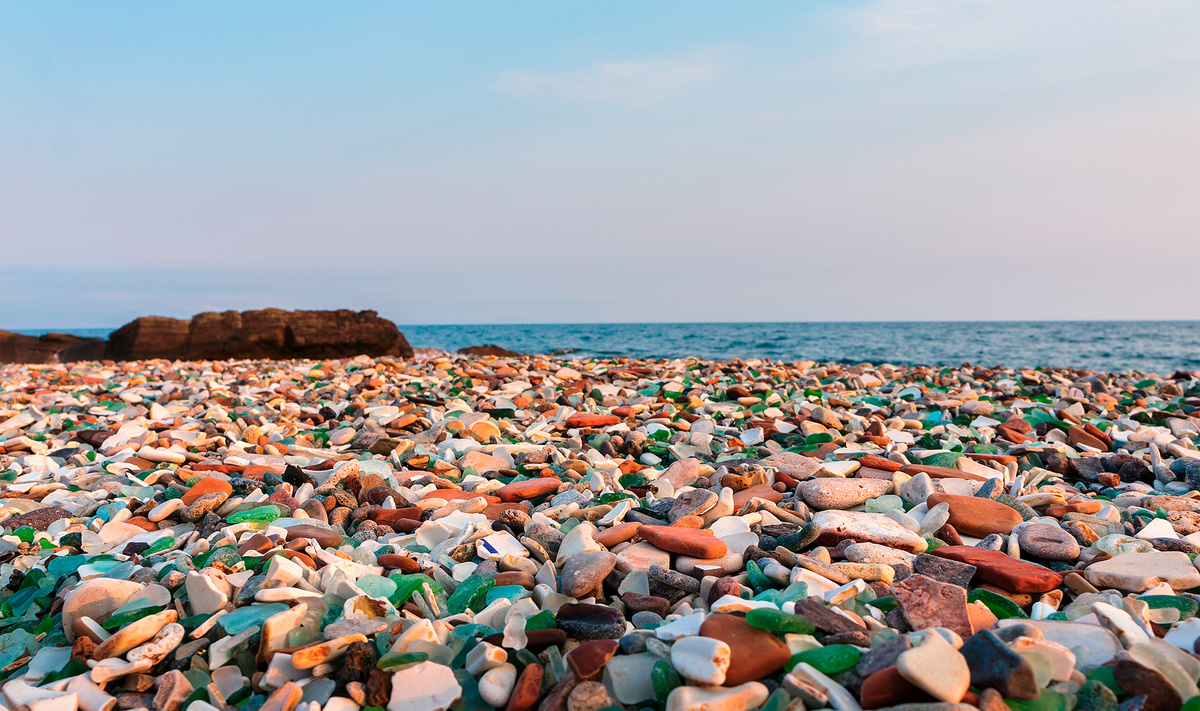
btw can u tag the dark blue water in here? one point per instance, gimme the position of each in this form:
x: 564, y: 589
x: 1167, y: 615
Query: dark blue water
x: 1147, y: 346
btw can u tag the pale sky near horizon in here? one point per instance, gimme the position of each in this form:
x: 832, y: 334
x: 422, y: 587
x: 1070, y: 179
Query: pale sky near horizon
x: 601, y: 162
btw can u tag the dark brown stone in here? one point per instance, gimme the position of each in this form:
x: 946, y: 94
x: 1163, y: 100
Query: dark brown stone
x: 556, y: 697
x: 1141, y: 680
x: 887, y: 688
x: 587, y: 661
x: 39, y: 519
x: 379, y: 688
x: 724, y: 586
x: 944, y: 569
x: 826, y: 619
x: 357, y: 664
x: 636, y: 602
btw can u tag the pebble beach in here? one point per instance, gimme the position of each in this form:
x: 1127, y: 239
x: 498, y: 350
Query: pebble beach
x: 575, y: 535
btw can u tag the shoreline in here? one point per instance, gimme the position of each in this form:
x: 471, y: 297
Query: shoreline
x: 1151, y: 346
x: 589, y: 533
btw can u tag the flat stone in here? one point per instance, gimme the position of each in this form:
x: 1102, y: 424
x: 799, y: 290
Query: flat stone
x: 836, y: 526
x: 748, y: 696
x: 1046, y: 540
x: 425, y: 686
x: 926, y: 603
x: 758, y: 491
x: 1060, y: 659
x: 206, y: 485
x: 685, y: 472
x: 578, y: 540
x: 835, y: 493
x: 754, y: 653
x: 642, y: 556
x: 977, y: 516
x: 699, y: 543
x: 1144, y: 680
x: 619, y: 533
x: 1010, y: 574
x: 826, y: 619
x: 133, y: 634
x: 589, y: 696
x: 587, y: 621
x: 528, y: 489
x: 879, y: 554
x: 527, y: 689
x: 691, y: 503
x: 1135, y: 572
x: 795, y: 465
x: 937, y: 668
x: 327, y: 538
x: 944, y: 569
x: 587, y: 660
x: 583, y: 572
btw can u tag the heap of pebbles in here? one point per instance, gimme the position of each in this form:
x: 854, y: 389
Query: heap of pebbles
x: 525, y: 533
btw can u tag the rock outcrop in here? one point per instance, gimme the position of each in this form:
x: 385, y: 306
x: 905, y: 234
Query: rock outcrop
x: 267, y: 333
x: 19, y: 348
x: 490, y: 349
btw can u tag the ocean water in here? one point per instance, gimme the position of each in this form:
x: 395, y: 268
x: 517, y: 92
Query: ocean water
x: 1147, y: 346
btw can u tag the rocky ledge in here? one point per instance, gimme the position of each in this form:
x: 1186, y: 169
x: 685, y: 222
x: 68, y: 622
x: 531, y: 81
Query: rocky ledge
x: 267, y: 333
x: 19, y: 348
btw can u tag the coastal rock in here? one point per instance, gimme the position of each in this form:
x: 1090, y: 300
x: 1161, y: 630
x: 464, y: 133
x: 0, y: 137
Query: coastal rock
x: 489, y: 349
x: 48, y: 348
x: 268, y: 333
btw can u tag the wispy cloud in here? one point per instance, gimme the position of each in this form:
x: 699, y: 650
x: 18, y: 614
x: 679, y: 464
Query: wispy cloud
x: 634, y: 82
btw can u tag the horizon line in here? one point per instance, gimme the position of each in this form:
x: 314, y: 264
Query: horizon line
x: 672, y: 323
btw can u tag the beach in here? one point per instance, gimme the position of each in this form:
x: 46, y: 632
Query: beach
x: 589, y: 533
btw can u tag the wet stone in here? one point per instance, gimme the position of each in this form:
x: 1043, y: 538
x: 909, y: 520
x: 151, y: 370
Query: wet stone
x: 587, y: 621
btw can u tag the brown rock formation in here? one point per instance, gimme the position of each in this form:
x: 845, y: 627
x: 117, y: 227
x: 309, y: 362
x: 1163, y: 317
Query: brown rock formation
x: 269, y: 333
x: 48, y: 348
x: 490, y: 349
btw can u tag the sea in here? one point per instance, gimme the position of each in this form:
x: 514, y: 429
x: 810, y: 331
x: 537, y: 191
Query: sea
x: 1161, y: 347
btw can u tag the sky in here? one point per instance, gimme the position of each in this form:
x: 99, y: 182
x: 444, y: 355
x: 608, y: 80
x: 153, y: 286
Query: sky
x: 556, y: 162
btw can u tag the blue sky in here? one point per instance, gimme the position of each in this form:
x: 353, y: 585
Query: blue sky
x: 555, y: 162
